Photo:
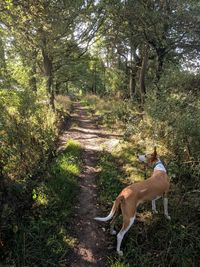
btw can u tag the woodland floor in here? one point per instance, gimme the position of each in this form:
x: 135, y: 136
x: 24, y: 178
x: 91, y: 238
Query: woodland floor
x: 92, y: 244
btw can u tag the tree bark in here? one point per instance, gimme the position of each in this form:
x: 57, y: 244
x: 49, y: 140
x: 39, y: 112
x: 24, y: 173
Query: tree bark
x: 160, y: 62
x: 48, y: 72
x: 143, y: 75
x: 132, y: 83
x: 33, y: 72
x: 94, y: 87
x: 3, y: 66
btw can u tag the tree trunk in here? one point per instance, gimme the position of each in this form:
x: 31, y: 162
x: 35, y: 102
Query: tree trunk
x: 159, y: 67
x: 3, y: 66
x: 94, y: 90
x: 143, y: 74
x: 160, y: 61
x: 57, y: 88
x: 48, y: 68
x: 132, y: 83
x: 33, y: 72
x: 67, y: 87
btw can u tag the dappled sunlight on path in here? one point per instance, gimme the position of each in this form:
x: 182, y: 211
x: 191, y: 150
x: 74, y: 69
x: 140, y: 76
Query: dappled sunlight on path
x: 91, y: 247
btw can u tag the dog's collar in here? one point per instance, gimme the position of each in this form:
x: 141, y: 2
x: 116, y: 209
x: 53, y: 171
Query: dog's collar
x: 159, y: 166
x: 157, y: 163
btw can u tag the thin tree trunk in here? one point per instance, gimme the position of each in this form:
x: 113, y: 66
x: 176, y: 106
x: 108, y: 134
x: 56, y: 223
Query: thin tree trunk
x: 143, y: 74
x: 95, y: 79
x: 132, y: 83
x: 159, y: 67
x: 67, y: 87
x: 48, y: 72
x: 161, y: 52
x: 33, y: 72
x: 3, y: 65
x: 57, y: 88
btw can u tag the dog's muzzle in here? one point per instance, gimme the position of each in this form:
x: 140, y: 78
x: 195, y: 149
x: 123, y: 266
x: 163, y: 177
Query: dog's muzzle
x: 142, y: 158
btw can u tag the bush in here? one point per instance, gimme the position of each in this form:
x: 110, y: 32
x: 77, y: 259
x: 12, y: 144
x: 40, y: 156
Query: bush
x: 39, y: 234
x: 27, y: 133
x: 173, y: 120
x: 113, y: 111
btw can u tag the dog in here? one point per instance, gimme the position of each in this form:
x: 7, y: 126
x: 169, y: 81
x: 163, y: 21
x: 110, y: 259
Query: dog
x: 133, y: 195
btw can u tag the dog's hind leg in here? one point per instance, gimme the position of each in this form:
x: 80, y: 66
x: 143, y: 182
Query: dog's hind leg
x: 112, y: 224
x: 165, y: 203
x: 126, y: 226
x: 128, y: 213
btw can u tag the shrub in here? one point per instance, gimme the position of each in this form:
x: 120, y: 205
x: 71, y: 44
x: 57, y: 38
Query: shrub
x: 27, y: 133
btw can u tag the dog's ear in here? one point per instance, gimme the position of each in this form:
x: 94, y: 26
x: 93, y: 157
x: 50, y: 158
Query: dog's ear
x: 155, y: 152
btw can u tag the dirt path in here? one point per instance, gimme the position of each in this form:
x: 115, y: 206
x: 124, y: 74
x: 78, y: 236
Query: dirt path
x: 92, y: 242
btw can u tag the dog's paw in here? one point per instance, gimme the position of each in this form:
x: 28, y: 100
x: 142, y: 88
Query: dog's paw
x: 155, y: 211
x: 168, y: 217
x: 113, y: 232
x: 120, y: 253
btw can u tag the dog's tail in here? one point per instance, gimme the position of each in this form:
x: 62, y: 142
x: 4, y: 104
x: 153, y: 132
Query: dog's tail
x: 113, y: 210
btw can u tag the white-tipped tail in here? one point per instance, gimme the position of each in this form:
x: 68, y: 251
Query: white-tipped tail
x: 105, y: 219
x: 115, y: 206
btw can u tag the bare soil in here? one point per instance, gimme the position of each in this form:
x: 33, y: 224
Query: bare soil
x: 93, y: 240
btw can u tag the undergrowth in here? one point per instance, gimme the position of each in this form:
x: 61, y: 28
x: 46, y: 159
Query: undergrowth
x: 152, y: 240
x: 28, y: 132
x: 40, y: 236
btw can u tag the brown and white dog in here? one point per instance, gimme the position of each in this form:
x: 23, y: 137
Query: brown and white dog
x: 130, y: 197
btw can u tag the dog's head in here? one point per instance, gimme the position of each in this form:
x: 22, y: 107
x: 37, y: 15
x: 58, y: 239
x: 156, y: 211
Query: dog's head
x: 149, y: 158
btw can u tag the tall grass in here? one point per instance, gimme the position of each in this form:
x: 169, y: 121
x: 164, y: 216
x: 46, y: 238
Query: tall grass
x: 152, y: 240
x: 40, y: 236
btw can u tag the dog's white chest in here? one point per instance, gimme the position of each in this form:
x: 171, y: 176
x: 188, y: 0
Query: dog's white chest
x: 160, y: 167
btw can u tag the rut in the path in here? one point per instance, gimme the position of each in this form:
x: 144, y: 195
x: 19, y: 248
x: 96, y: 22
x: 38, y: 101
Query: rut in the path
x: 91, y: 248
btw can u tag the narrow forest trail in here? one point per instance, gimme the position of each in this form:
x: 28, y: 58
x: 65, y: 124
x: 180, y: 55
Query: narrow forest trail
x: 92, y: 244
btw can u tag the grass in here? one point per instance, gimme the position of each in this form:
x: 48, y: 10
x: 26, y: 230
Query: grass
x: 42, y: 236
x: 152, y: 240
x: 112, y: 113
x: 63, y: 103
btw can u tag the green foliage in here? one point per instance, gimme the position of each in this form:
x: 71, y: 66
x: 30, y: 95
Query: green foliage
x: 109, y: 178
x: 41, y: 236
x: 27, y: 133
x: 114, y: 80
x: 173, y: 116
x: 113, y: 111
x: 47, y: 47
x: 152, y: 240
x: 163, y: 122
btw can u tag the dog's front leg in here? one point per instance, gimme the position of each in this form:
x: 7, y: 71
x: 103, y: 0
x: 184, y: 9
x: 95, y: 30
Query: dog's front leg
x: 153, y: 204
x: 165, y: 202
x: 126, y: 226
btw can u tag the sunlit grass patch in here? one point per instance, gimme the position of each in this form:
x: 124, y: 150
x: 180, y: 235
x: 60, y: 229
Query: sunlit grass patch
x: 43, y: 236
x: 63, y: 102
x: 39, y: 195
x: 111, y: 179
x: 73, y: 147
x: 112, y: 112
x: 127, y: 153
x: 117, y: 263
x: 70, y: 241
